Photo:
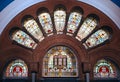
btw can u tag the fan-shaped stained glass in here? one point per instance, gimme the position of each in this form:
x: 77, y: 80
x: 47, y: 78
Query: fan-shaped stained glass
x: 59, y: 19
x: 73, y: 22
x: 97, y: 38
x: 86, y: 28
x: 33, y: 28
x: 23, y: 39
x: 46, y: 22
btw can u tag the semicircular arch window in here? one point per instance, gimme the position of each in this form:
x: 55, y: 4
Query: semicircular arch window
x: 16, y: 69
x: 60, y: 61
x: 105, y: 69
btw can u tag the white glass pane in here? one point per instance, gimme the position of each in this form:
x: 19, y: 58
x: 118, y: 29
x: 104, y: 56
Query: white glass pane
x: 46, y: 22
x: 59, y: 19
x: 73, y: 22
x: 97, y: 38
x: 23, y: 39
x: 33, y: 28
x: 86, y: 28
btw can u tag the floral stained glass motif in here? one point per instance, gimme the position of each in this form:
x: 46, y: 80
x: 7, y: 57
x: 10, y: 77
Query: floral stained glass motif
x: 32, y: 27
x: 97, y: 38
x: 59, y: 19
x: 23, y: 39
x: 105, y: 69
x: 17, y: 69
x: 73, y: 22
x: 86, y: 28
x: 46, y: 23
x: 60, y: 62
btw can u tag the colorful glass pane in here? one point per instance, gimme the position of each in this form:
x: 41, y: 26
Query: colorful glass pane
x: 73, y: 22
x: 59, y: 19
x: 46, y: 22
x: 86, y: 28
x: 97, y: 38
x: 32, y: 27
x: 60, y: 61
x: 105, y: 69
x: 17, y: 68
x: 23, y: 39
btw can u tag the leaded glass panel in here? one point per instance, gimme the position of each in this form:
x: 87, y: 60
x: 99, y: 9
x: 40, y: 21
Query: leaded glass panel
x: 46, y: 23
x: 97, y: 38
x: 105, y: 69
x: 60, y: 61
x: 32, y: 27
x: 59, y: 19
x: 23, y: 39
x: 86, y: 28
x: 73, y: 22
x: 16, y: 69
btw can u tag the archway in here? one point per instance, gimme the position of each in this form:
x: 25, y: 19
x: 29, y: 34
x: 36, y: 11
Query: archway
x: 16, y: 70
x: 60, y: 62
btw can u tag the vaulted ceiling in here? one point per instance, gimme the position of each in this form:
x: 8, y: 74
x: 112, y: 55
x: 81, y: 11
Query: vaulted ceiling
x: 10, y: 8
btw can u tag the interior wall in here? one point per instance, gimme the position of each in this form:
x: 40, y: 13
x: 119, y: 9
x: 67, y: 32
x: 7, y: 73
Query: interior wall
x: 9, y: 50
x: 10, y: 11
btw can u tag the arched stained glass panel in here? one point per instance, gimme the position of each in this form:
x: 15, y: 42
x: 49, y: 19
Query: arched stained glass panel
x: 32, y: 27
x: 60, y: 61
x: 46, y: 23
x: 97, y: 38
x: 17, y: 69
x: 73, y: 22
x: 105, y: 69
x: 86, y: 28
x: 59, y: 19
x: 23, y: 39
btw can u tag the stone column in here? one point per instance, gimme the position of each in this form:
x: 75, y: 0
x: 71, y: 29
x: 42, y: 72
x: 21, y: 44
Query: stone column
x: 86, y: 70
x: 33, y: 76
x: 87, y: 77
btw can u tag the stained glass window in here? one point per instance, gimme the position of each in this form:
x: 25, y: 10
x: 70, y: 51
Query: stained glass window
x: 97, y: 38
x: 17, y: 69
x: 46, y: 22
x: 73, y: 22
x: 86, y: 28
x: 33, y: 28
x: 60, y: 61
x: 23, y: 39
x: 105, y: 69
x: 59, y: 19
